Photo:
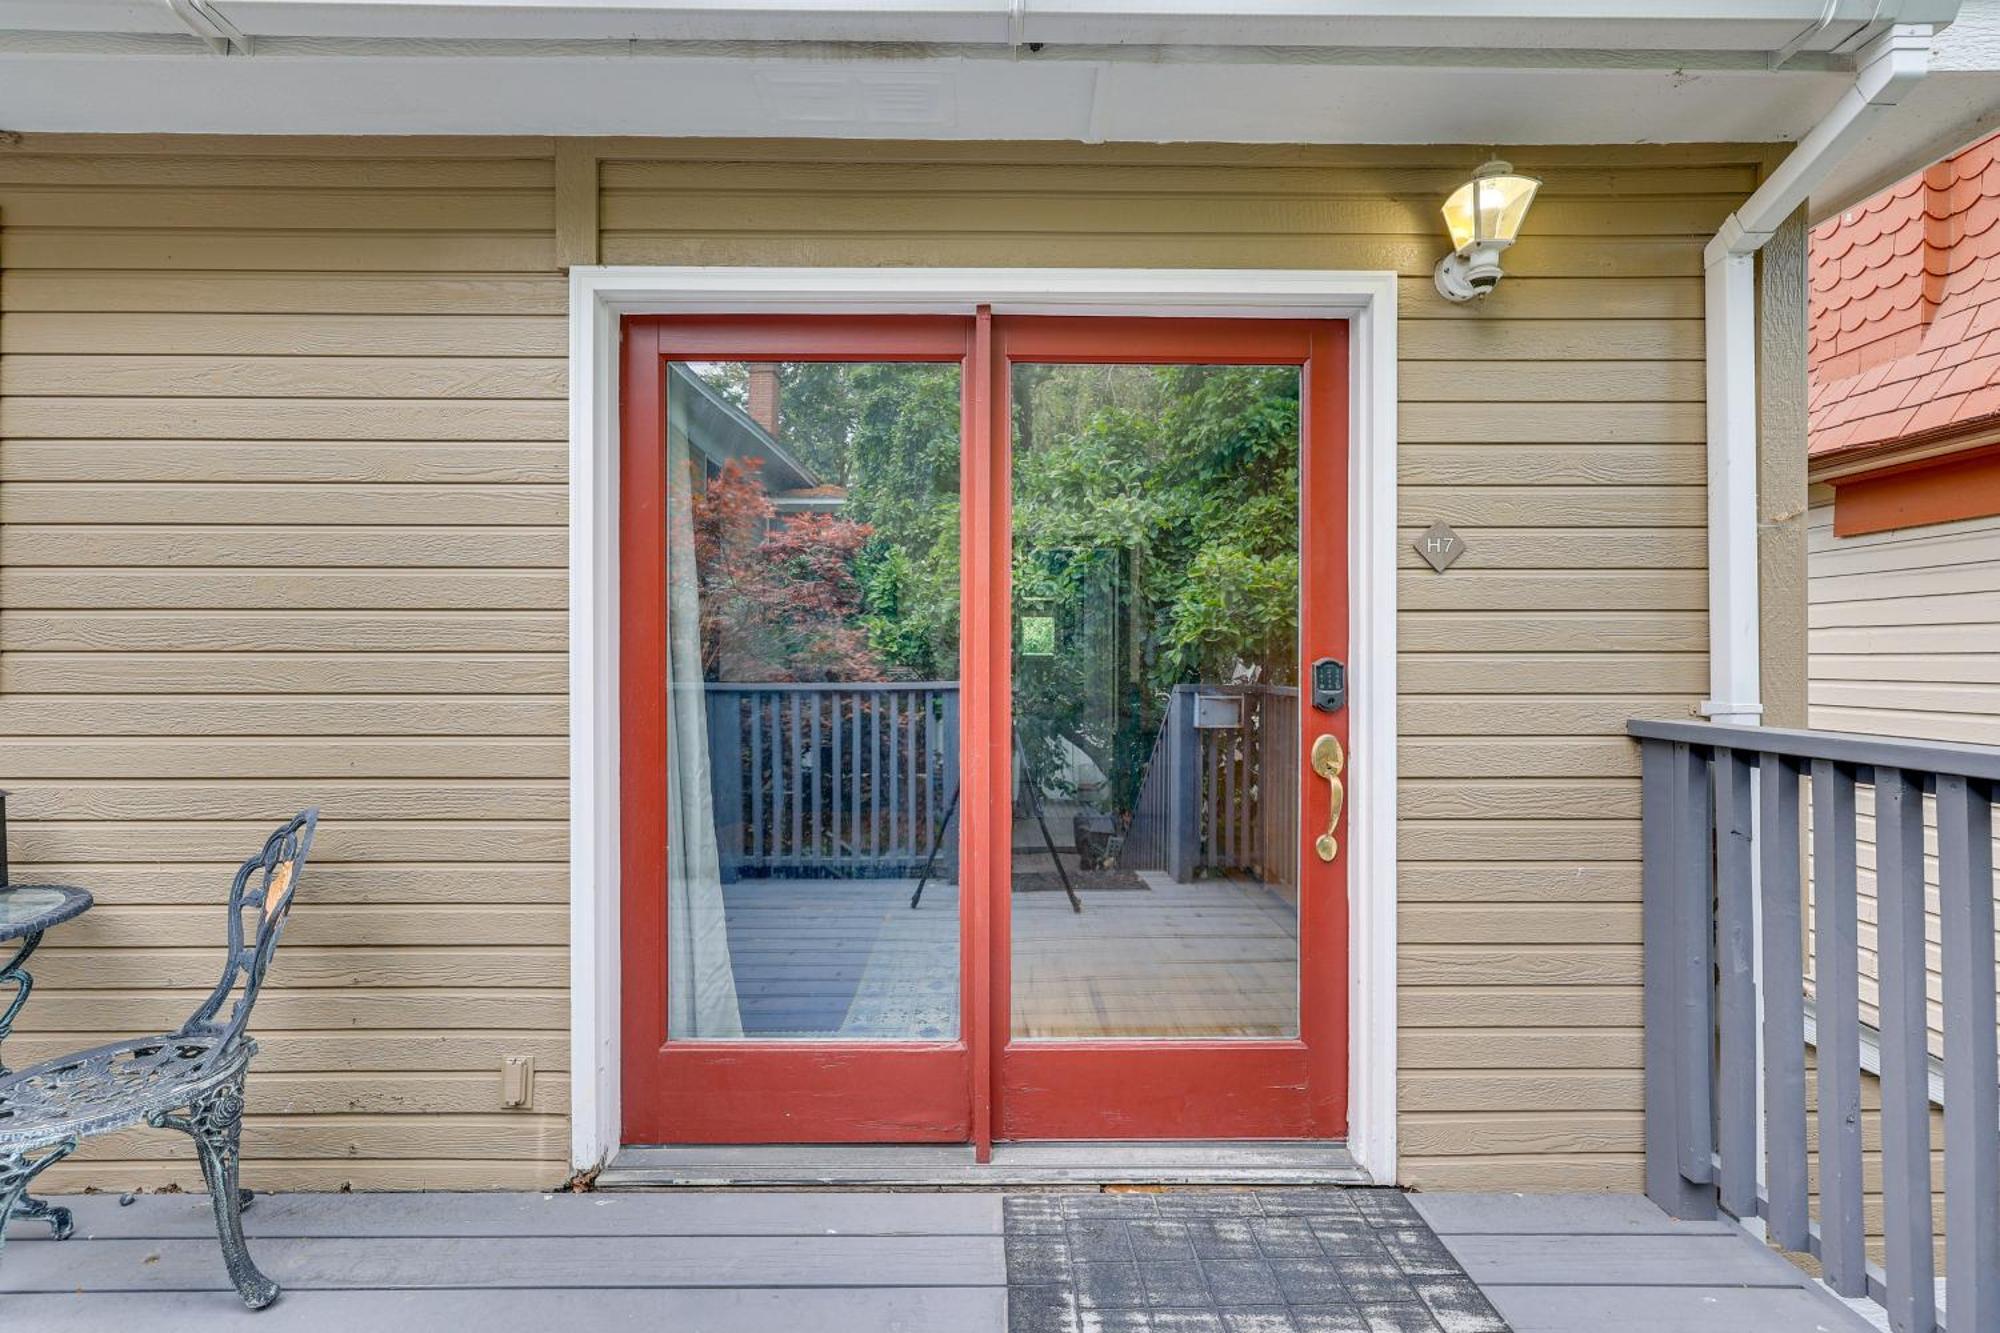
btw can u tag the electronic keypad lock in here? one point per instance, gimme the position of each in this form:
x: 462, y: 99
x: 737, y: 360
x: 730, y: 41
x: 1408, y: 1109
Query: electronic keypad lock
x: 1329, y: 685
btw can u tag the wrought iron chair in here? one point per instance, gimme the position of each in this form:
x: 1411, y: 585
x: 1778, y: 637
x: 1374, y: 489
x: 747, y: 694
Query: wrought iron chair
x: 197, y: 1070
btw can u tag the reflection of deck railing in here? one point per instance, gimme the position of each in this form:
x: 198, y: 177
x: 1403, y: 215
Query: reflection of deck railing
x: 1221, y: 798
x: 845, y: 778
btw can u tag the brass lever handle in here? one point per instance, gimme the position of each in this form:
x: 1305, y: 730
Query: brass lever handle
x: 1327, y: 761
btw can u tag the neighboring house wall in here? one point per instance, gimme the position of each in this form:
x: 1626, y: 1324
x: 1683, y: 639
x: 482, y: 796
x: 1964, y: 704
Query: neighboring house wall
x: 1905, y: 642
x: 232, y: 353
x: 1904, y: 550
x: 1894, y: 652
x: 1904, y: 611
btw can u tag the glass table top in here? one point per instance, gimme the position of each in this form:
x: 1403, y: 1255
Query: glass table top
x: 28, y: 908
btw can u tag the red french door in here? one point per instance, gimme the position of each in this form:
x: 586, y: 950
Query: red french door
x: 973, y: 675
x: 1211, y: 1002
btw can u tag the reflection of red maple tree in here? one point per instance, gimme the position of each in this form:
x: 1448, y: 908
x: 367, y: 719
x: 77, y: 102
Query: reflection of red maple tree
x: 779, y: 597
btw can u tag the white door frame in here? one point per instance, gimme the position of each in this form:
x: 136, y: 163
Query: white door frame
x: 600, y: 295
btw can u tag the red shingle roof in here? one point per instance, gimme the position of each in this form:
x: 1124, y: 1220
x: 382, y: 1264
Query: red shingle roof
x: 1905, y: 308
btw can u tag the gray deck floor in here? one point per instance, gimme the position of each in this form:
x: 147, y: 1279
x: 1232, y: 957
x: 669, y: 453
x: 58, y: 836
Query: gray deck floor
x: 745, y: 1262
x: 689, y: 1262
x: 1587, y: 1263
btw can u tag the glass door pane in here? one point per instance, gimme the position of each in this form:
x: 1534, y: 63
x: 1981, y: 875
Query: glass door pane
x: 1155, y: 799
x: 813, y: 612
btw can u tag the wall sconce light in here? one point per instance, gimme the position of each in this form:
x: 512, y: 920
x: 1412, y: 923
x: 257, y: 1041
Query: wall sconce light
x: 1485, y: 215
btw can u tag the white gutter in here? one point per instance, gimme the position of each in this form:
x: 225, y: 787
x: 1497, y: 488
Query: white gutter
x: 1759, y: 26
x: 1885, y: 70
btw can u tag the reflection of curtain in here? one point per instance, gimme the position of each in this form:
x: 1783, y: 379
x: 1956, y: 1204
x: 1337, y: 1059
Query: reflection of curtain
x: 701, y: 999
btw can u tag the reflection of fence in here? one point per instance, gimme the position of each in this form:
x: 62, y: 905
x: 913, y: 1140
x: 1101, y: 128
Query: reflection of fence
x: 843, y: 778
x: 1221, y: 798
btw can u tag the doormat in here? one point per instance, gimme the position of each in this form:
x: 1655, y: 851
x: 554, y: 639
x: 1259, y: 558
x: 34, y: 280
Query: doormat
x: 1086, y: 881
x: 1273, y: 1261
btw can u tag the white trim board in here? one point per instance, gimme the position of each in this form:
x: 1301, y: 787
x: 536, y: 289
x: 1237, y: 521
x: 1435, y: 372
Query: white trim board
x: 600, y: 295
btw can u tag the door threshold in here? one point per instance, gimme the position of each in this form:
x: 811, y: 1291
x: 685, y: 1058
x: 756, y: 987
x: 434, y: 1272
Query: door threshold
x: 951, y: 1166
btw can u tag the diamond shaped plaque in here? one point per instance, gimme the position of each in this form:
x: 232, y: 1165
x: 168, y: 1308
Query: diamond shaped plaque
x: 1439, y: 546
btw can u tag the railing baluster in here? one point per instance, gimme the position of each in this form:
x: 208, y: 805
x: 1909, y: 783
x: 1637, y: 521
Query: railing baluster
x: 1736, y: 1085
x: 781, y: 790
x: 854, y: 781
x: 836, y: 780
x: 1837, y: 1005
x: 895, y: 701
x: 795, y: 790
x: 1971, y: 1070
x: 924, y: 774
x: 875, y: 775
x: 948, y: 784
x: 1224, y: 814
x: 1665, y: 782
x: 759, y: 848
x: 1784, y: 1003
x: 814, y: 776
x: 1693, y: 921
x: 781, y: 783
x: 1211, y: 801
x: 1906, y: 1106
x: 910, y: 776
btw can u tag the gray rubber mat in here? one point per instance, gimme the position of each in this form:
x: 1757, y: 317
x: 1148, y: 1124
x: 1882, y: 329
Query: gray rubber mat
x: 1234, y: 1261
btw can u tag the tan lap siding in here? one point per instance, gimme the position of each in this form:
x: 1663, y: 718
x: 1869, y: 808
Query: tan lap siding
x: 1557, y: 427
x: 282, y: 521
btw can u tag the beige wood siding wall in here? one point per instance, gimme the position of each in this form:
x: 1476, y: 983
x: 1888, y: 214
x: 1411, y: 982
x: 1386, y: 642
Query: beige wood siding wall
x: 279, y: 458
x: 281, y: 521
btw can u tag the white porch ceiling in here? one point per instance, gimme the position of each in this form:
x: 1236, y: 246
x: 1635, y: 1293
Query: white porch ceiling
x: 1256, y: 71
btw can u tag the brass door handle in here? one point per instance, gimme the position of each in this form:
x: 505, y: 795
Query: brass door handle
x: 1327, y: 761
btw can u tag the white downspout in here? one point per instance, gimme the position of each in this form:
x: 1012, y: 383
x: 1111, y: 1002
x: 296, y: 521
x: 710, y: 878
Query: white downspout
x: 1885, y: 70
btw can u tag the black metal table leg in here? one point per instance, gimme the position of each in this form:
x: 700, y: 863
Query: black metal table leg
x: 23, y: 983
x: 26, y: 1205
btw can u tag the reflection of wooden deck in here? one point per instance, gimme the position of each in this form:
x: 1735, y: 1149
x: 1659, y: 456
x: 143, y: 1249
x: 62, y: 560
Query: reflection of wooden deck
x: 1214, y: 958
x: 848, y: 958
x: 844, y: 958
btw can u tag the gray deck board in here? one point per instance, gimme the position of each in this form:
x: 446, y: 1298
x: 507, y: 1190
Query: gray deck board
x: 518, y: 1261
x: 691, y: 1261
x: 1570, y: 1263
x: 1579, y: 1215
x: 604, y: 1214
x: 1595, y: 1261
x: 808, y: 1310
x: 1671, y: 1310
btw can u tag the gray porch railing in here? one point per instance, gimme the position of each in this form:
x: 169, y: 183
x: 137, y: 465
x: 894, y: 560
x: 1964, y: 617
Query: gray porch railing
x: 846, y: 778
x: 1725, y: 893
x: 1212, y: 797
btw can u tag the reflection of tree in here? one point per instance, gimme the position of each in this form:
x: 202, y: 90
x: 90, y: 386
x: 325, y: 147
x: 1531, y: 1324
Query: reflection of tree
x: 1156, y: 514
x: 779, y: 600
x: 1155, y: 519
